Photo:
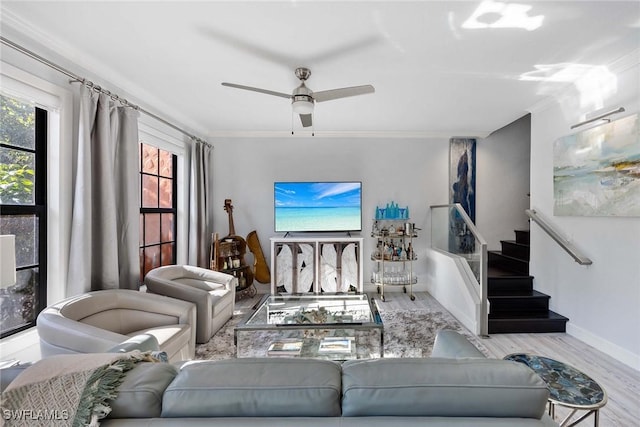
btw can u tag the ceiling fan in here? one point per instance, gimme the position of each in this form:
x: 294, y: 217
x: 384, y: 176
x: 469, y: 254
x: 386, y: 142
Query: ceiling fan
x: 303, y: 98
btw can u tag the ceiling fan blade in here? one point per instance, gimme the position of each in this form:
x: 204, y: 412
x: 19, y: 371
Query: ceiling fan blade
x: 327, y: 95
x: 255, y: 89
x: 306, y: 120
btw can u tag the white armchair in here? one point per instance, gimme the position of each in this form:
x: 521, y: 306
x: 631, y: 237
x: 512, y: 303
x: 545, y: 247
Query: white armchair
x: 212, y: 292
x: 96, y: 322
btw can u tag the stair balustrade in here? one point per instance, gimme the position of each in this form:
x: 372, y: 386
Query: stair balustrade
x: 453, y: 232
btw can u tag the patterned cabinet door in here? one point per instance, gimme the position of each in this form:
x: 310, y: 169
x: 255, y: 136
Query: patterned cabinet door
x: 339, y: 267
x: 294, y: 267
x: 322, y: 265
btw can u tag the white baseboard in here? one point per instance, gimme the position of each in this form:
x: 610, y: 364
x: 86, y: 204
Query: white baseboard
x: 621, y: 354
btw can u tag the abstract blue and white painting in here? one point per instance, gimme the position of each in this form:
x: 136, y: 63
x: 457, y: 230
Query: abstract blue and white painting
x: 462, y: 189
x: 597, y: 172
x: 462, y: 174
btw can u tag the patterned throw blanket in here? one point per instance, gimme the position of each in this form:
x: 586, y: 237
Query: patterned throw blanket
x: 67, y: 390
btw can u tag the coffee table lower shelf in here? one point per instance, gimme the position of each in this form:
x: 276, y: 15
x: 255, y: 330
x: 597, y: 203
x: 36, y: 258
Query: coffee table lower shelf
x: 297, y: 326
x: 319, y: 344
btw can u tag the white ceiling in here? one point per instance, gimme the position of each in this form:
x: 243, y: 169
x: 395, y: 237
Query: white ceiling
x: 432, y: 75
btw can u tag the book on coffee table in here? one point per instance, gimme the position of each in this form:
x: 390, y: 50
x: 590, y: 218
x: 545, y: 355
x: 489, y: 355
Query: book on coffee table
x: 285, y: 348
x: 336, y: 345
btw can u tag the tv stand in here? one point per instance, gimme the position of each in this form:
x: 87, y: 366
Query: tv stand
x: 301, y: 265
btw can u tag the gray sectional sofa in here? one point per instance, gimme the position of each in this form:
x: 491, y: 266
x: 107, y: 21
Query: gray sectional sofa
x: 459, y: 387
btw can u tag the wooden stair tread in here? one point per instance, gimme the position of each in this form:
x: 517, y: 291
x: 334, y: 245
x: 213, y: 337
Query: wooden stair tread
x: 500, y: 254
x: 513, y: 242
x: 499, y: 273
x: 526, y: 315
x: 517, y: 294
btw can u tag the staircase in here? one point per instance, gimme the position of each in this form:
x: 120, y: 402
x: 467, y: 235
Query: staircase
x: 515, y: 306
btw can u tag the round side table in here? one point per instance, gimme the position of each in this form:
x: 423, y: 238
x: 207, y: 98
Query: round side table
x: 568, y: 387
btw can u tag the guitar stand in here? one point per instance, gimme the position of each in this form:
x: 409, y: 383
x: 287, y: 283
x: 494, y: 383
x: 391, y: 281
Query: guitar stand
x: 248, y: 292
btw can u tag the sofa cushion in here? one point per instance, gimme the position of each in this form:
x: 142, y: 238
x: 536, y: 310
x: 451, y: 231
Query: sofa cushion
x: 124, y: 320
x: 255, y: 388
x: 140, y: 394
x: 442, y: 387
x: 171, y: 338
x: 453, y: 345
x: 142, y: 342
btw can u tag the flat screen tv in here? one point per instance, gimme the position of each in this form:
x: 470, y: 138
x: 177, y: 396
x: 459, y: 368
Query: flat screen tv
x: 317, y: 206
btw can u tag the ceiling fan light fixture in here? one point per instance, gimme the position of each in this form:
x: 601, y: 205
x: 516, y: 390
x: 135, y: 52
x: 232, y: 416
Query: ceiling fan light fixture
x: 302, y: 104
x: 303, y: 99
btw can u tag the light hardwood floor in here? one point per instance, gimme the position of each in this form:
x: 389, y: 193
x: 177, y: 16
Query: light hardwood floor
x: 621, y: 382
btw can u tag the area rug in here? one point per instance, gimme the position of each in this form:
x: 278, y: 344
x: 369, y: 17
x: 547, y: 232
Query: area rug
x: 411, y: 333
x: 407, y: 333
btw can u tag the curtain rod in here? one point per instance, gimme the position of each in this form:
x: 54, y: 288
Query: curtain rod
x: 77, y: 79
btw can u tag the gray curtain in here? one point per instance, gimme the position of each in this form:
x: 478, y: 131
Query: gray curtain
x: 105, y: 219
x: 200, y: 206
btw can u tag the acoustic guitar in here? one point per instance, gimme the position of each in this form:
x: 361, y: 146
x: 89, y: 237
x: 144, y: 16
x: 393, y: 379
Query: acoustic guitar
x: 260, y: 267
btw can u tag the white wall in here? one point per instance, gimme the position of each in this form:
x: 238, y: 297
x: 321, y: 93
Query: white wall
x: 452, y: 283
x: 502, y: 182
x: 408, y: 171
x: 602, y: 301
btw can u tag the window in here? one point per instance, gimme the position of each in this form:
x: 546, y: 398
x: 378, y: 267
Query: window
x: 158, y: 208
x: 23, y: 200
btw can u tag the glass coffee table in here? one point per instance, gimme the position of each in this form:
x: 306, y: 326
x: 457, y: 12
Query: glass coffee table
x: 568, y: 387
x: 332, y: 327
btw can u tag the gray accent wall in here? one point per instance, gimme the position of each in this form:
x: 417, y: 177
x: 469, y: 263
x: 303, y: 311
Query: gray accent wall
x: 502, y: 182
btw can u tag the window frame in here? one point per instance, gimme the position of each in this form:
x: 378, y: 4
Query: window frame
x: 39, y: 209
x: 158, y: 210
x: 155, y: 133
x: 51, y: 93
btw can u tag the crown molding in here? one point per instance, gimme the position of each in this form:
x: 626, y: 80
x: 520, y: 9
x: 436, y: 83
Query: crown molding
x: 348, y: 134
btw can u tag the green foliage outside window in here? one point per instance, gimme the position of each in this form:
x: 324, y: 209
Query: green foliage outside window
x: 16, y: 123
x: 16, y: 184
x: 19, y: 303
x: 17, y: 175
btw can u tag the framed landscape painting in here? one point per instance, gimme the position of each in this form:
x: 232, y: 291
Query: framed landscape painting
x: 597, y: 172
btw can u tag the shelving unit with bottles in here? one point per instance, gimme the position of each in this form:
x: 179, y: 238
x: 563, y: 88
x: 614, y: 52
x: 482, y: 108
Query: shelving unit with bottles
x: 393, y: 254
x: 228, y: 258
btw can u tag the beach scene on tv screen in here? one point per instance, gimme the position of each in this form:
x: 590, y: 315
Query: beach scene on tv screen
x: 317, y: 206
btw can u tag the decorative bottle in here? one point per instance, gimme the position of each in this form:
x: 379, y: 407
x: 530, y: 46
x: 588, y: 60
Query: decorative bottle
x: 376, y: 253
